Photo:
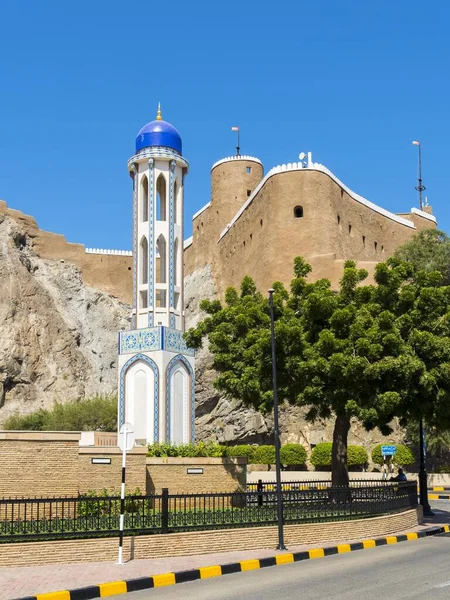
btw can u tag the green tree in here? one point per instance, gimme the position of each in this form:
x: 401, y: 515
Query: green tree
x: 370, y: 352
x: 428, y: 250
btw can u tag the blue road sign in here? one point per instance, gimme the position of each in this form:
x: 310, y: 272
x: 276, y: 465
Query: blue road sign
x: 388, y: 450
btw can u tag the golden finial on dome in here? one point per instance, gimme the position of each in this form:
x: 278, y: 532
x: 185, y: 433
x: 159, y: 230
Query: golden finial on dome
x: 158, y: 114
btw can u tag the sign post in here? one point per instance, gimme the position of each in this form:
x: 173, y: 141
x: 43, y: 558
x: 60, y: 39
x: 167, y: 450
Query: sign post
x: 387, y: 451
x: 126, y: 442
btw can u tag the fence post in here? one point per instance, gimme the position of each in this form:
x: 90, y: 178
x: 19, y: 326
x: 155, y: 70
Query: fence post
x: 260, y: 489
x: 165, y: 510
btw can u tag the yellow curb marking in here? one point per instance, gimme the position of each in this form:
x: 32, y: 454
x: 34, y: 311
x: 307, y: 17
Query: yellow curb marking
x: 369, y: 544
x: 162, y: 580
x: 343, y: 548
x: 249, y: 565
x: 412, y: 536
x: 392, y: 539
x: 283, y: 559
x: 112, y: 588
x: 433, y: 496
x: 316, y: 553
x: 62, y: 595
x: 438, y: 489
x: 206, y: 572
x: 446, y: 528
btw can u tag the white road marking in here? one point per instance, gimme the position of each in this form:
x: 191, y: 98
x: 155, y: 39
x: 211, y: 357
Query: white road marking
x: 442, y: 585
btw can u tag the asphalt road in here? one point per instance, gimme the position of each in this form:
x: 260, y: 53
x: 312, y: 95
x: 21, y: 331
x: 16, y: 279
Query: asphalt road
x: 417, y: 569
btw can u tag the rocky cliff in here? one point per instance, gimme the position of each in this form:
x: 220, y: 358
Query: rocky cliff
x: 58, y: 337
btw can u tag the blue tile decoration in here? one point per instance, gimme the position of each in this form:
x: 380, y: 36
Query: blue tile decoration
x: 140, y: 340
x: 174, y: 342
x: 151, y: 241
x: 154, y: 367
x: 171, y: 244
x: 170, y: 368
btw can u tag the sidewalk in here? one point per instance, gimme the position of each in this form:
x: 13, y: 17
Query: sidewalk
x: 19, y: 582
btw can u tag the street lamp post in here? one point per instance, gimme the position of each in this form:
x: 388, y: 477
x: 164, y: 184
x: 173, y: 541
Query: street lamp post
x: 423, y: 483
x: 281, y: 545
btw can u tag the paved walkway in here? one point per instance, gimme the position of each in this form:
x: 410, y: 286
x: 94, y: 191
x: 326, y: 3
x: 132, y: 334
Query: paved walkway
x: 19, y: 582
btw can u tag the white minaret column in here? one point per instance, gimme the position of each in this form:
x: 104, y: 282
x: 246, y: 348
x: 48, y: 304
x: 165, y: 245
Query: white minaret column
x: 158, y: 249
x: 156, y: 369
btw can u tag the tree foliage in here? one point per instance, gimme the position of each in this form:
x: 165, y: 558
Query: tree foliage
x: 428, y: 251
x: 370, y: 352
x: 98, y: 413
x: 292, y: 455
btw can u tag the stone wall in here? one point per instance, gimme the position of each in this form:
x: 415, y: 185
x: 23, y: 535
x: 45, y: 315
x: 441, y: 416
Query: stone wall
x: 38, y: 464
x: 218, y: 475
x: 204, y: 542
x: 53, y: 464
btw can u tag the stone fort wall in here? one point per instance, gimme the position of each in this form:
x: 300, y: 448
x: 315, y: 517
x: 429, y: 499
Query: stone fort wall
x: 249, y: 228
x: 265, y: 236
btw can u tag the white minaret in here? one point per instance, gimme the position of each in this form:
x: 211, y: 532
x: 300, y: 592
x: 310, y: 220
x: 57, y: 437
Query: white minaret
x: 156, y: 369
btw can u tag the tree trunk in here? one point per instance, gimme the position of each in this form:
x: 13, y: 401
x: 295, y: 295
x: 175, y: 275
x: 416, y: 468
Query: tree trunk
x: 339, y: 470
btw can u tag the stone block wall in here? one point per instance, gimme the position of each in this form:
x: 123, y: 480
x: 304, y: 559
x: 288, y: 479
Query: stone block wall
x: 38, y: 464
x: 219, y: 475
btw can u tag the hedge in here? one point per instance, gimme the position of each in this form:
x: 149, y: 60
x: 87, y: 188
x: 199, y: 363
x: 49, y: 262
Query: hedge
x: 200, y: 449
x: 321, y: 455
x: 264, y: 455
x: 402, y: 456
x: 293, y: 454
x: 242, y: 450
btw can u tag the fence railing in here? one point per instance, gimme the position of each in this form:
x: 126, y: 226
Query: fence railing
x: 82, y: 517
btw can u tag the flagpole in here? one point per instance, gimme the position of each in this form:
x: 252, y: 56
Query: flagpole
x: 238, y: 147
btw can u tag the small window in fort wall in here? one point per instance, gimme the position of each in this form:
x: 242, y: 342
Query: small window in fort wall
x: 364, y: 240
x: 339, y: 219
x: 375, y: 245
x: 349, y: 229
x: 261, y: 222
x: 249, y: 169
x: 298, y: 212
x: 249, y: 193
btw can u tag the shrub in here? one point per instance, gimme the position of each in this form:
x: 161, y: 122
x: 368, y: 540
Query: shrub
x: 244, y: 450
x: 321, y: 455
x: 98, y: 413
x: 357, y: 456
x: 201, y: 449
x: 403, y: 456
x: 264, y: 455
x: 293, y: 454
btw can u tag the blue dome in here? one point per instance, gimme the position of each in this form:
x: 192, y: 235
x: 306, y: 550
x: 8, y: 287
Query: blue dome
x: 158, y: 133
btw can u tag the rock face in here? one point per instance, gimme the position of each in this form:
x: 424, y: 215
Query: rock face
x: 58, y: 337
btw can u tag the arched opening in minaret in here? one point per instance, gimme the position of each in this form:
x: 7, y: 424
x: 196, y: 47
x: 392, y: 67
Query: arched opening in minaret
x: 161, y: 198
x: 144, y: 199
x: 161, y: 267
x: 176, y: 257
x: 175, y: 202
x: 140, y: 398
x: 144, y: 261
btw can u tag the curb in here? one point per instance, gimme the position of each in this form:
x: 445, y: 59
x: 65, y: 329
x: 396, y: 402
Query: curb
x: 439, y: 496
x: 143, y: 583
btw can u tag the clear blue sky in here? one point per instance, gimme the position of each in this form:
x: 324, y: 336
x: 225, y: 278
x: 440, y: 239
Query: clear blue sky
x: 352, y: 81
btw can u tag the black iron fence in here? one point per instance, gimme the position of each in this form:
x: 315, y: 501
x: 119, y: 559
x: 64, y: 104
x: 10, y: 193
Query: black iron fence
x: 82, y: 517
